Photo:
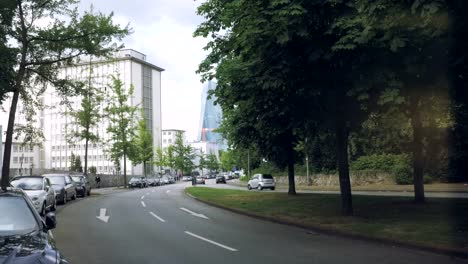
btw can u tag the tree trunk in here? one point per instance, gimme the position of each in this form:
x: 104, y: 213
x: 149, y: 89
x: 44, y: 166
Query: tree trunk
x: 291, y: 181
x: 9, y: 140
x: 144, y: 168
x: 342, y: 154
x: 125, y: 171
x: 86, y: 154
x: 417, y: 148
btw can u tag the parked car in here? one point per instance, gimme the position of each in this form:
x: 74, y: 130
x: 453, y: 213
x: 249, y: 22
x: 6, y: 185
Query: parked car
x: 171, y: 179
x: 261, y: 181
x: 220, y: 179
x: 39, y: 190
x: 151, y: 181
x: 137, y: 182
x: 64, y: 187
x: 26, y: 238
x: 211, y: 176
x: 83, y: 186
x: 200, y: 180
x: 186, y: 178
x: 165, y: 180
x: 157, y: 181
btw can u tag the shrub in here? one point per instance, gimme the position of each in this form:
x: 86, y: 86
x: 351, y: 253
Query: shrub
x: 403, y: 174
x: 380, y: 162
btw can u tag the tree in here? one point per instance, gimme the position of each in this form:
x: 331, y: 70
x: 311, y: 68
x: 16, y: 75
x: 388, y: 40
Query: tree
x: 7, y: 60
x: 40, y: 50
x: 161, y: 159
x: 170, y: 157
x: 92, y: 170
x: 183, y: 155
x: 202, y: 162
x: 75, y: 163
x: 121, y: 127
x: 87, y: 118
x: 142, y: 144
x: 212, y: 162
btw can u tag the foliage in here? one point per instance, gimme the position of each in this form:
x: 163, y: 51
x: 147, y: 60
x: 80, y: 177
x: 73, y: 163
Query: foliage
x: 183, y: 155
x: 142, y: 144
x: 212, y: 162
x: 402, y: 174
x: 170, y: 157
x: 121, y: 116
x: 75, y: 163
x: 161, y: 159
x: 382, y: 162
x: 40, y: 50
x: 92, y: 170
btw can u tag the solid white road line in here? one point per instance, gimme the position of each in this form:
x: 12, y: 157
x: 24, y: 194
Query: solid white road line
x: 143, y: 204
x: 143, y: 197
x: 157, y: 217
x: 210, y: 241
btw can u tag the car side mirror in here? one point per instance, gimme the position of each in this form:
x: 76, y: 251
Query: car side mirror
x: 50, y: 221
x: 46, y: 189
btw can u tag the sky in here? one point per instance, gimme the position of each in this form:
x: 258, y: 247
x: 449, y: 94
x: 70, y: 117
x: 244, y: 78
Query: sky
x: 162, y: 29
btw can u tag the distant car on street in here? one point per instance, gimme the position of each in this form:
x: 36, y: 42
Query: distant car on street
x: 200, y: 180
x: 165, y: 180
x: 39, y: 190
x: 25, y: 237
x: 187, y: 178
x: 83, y: 186
x: 261, y: 181
x: 64, y: 187
x: 137, y: 182
x: 220, y: 179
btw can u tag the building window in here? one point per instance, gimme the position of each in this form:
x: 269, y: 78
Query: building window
x: 165, y: 141
x: 15, y: 148
x: 170, y: 141
x: 169, y: 133
x: 31, y: 160
x: 164, y: 133
x: 15, y: 160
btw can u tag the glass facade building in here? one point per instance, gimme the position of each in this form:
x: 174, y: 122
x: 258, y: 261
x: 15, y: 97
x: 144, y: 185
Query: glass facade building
x: 211, y: 116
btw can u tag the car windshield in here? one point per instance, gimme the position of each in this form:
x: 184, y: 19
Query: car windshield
x: 16, y: 217
x: 57, y: 180
x: 28, y: 183
x: 78, y: 178
x: 134, y: 179
x: 267, y: 176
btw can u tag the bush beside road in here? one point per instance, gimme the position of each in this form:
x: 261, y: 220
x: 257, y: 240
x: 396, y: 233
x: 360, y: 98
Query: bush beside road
x: 439, y: 224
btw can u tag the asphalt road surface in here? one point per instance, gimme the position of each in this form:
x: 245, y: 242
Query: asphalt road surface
x: 163, y: 225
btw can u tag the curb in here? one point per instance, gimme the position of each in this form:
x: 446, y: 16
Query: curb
x: 440, y: 250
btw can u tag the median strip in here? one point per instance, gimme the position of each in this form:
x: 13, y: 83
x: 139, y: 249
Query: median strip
x: 157, y: 217
x: 210, y: 241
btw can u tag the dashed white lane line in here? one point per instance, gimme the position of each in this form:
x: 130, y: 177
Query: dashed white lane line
x: 157, y: 217
x: 143, y: 204
x: 168, y: 191
x: 143, y: 197
x: 210, y: 241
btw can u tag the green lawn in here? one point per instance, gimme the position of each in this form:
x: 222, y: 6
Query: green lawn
x: 439, y: 223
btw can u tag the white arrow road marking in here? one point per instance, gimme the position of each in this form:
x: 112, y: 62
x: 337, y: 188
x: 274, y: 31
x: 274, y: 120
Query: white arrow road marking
x: 143, y: 197
x: 102, y: 215
x: 157, y: 217
x: 193, y: 213
x: 143, y: 204
x: 168, y: 191
x: 210, y: 241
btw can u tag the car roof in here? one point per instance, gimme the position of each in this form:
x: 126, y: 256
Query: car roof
x: 27, y: 176
x: 55, y: 174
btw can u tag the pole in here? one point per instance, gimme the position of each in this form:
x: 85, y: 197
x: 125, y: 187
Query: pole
x: 248, y: 163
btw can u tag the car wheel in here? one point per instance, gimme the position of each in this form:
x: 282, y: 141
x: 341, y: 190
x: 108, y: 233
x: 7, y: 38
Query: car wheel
x: 89, y: 192
x: 259, y: 187
x: 43, y: 209
x: 248, y: 187
x: 272, y: 188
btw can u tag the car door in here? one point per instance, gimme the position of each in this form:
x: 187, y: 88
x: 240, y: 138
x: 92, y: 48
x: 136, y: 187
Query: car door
x: 254, y: 181
x: 69, y: 187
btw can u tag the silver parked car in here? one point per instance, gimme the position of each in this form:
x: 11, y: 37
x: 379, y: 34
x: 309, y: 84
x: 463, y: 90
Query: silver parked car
x: 261, y: 181
x: 64, y: 187
x: 39, y: 190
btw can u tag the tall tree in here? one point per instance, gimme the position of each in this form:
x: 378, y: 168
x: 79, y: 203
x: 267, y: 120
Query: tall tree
x: 7, y: 60
x: 212, y: 162
x: 183, y: 155
x: 42, y: 49
x: 87, y: 118
x: 161, y: 159
x: 121, y: 116
x: 142, y: 144
x: 170, y: 157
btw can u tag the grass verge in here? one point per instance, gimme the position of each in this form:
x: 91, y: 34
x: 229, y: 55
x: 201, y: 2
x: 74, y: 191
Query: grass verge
x: 439, y: 223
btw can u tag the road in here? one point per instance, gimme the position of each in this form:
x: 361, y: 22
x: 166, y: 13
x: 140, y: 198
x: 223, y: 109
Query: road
x: 235, y: 185
x: 163, y: 225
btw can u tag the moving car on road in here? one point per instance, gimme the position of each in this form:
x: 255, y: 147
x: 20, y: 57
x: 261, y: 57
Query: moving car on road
x: 83, y: 186
x: 200, y: 180
x: 39, y: 190
x: 220, y: 179
x: 24, y: 237
x: 63, y: 185
x: 261, y: 181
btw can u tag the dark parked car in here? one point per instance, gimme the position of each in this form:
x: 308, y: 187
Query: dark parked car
x: 64, y: 187
x: 39, y: 190
x: 26, y: 238
x: 220, y: 179
x: 137, y: 182
x: 83, y: 186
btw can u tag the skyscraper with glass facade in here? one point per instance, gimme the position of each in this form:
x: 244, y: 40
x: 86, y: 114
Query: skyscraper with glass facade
x: 211, y: 116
